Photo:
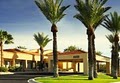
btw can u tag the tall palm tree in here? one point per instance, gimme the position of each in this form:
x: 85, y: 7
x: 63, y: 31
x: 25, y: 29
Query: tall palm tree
x: 113, y: 25
x: 5, y: 38
x: 42, y: 41
x: 91, y: 14
x: 111, y: 40
x: 54, y: 12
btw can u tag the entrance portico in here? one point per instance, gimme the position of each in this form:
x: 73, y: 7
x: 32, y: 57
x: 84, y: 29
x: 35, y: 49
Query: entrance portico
x: 76, y: 61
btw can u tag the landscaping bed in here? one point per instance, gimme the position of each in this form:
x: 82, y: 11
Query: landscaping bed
x: 77, y: 79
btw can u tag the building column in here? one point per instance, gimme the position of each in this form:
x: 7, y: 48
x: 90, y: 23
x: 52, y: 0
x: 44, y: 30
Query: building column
x: 67, y: 65
x: 74, y: 66
x: 85, y: 65
x: 26, y: 64
x: 35, y: 64
x: 78, y: 66
x: 50, y: 66
x: 107, y: 67
x: 13, y: 62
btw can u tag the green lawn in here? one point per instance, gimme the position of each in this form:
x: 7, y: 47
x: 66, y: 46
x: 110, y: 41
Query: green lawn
x: 102, y: 78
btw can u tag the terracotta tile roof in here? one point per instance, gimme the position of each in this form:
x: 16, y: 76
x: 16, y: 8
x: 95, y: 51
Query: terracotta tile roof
x: 21, y: 51
x: 51, y: 53
x: 73, y: 52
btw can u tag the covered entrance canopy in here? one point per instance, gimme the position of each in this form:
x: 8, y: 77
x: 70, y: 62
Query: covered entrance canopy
x: 76, y: 61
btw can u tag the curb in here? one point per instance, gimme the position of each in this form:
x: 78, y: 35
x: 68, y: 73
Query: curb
x: 32, y: 81
x: 4, y: 73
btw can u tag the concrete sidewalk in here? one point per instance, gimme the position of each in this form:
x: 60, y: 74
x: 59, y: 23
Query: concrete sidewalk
x: 3, y: 73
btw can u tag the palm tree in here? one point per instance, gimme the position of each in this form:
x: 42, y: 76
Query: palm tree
x: 71, y: 48
x: 113, y: 25
x: 91, y: 14
x: 42, y: 41
x: 21, y: 47
x: 54, y: 12
x: 99, y: 53
x: 5, y: 38
x: 111, y: 40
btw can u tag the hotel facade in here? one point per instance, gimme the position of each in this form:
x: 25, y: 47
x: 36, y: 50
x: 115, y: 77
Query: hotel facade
x: 74, y: 61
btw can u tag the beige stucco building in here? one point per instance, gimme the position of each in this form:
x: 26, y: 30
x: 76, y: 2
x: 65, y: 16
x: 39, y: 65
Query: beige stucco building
x: 74, y: 61
x: 28, y: 59
x: 77, y: 61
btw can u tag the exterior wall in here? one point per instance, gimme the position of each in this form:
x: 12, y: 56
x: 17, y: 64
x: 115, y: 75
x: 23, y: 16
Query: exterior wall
x: 69, y: 62
x: 20, y: 59
x: 75, y: 59
x: 20, y: 56
x: 102, y: 58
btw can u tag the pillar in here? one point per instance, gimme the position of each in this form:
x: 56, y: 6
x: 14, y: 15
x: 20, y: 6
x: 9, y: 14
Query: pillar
x: 13, y: 62
x: 50, y: 66
x: 78, y: 67
x: 67, y: 65
x: 74, y: 66
x: 107, y: 67
x: 85, y: 65
x: 26, y: 65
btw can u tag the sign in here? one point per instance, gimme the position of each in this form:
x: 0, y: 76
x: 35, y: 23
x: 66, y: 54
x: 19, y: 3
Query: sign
x: 77, y: 56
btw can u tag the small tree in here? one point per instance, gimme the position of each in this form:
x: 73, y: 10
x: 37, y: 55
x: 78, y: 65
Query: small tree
x: 42, y: 41
x: 71, y: 48
x: 99, y: 53
x: 5, y: 38
x: 111, y: 40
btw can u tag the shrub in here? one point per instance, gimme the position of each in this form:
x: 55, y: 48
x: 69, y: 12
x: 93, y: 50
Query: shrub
x: 3, y: 69
x: 18, y: 69
x: 12, y: 68
x: 15, y: 68
x: 102, y: 68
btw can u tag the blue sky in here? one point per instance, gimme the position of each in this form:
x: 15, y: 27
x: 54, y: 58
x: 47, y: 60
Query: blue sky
x: 22, y: 19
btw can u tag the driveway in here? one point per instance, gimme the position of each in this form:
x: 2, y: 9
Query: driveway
x: 16, y: 78
x: 24, y: 77
x: 13, y: 81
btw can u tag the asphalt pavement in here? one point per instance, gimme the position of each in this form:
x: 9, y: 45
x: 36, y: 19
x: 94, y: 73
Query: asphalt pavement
x: 23, y: 77
x: 16, y: 78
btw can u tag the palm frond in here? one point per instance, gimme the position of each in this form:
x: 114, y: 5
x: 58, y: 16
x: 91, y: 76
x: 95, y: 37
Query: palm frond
x: 41, y: 39
x: 91, y: 12
x: 110, y: 38
x: 5, y: 37
x: 113, y: 23
x: 52, y: 9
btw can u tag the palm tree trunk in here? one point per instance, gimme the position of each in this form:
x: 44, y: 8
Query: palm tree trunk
x: 55, y: 56
x: 90, y: 54
x: 112, y: 60
x: 115, y: 74
x: 41, y: 58
x: 94, y: 57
